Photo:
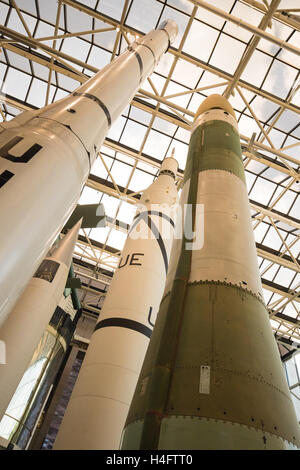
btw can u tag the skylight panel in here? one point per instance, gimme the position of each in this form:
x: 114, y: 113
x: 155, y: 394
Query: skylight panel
x: 284, y: 203
x: 98, y: 57
x: 183, y: 135
x: 140, y: 181
x: 255, y: 166
x: 19, y: 62
x: 67, y: 83
x: 143, y: 14
x: 117, y: 239
x: 133, y: 134
x: 111, y: 205
x: 126, y: 212
x: 269, y: 275
x: 40, y: 71
x: 44, y: 30
x: 140, y: 115
x: 125, y: 159
x: 260, y: 231
x: 227, y: 54
x: 199, y: 35
x: 284, y: 276
x: 89, y: 196
x: 186, y: 73
x: 106, y: 39
x: 157, y: 144
x: 237, y: 102
x: 148, y: 168
x: 47, y: 11
x: 275, y: 136
x: 182, y: 100
x: 157, y: 81
x: 247, y: 125
x: 280, y: 79
x: 78, y: 21
x: 121, y: 172
x: 12, y: 86
x: 290, y: 57
x: 256, y: 68
x: 164, y: 126
x: 75, y: 44
x: 99, y: 234
x: 181, y: 21
x: 287, y: 121
x: 263, y: 108
x: 250, y: 15
x: 183, y: 5
x: 27, y: 5
x: 15, y: 23
x: 295, y: 211
x: 278, y: 30
x: 98, y: 168
x: 249, y: 179
x: 262, y: 191
x: 181, y: 151
x: 195, y: 101
x: 116, y: 129
x: 296, y: 132
x: 37, y: 93
x: 111, y: 8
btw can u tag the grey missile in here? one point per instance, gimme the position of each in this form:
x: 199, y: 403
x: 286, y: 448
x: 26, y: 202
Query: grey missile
x: 25, y: 325
x: 102, y: 394
x: 46, y: 156
x: 212, y: 377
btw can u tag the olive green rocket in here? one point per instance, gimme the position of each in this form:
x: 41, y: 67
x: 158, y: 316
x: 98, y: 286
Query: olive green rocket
x: 212, y: 377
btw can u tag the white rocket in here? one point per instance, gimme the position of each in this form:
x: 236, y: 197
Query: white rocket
x: 46, y: 156
x: 23, y: 328
x: 98, y: 407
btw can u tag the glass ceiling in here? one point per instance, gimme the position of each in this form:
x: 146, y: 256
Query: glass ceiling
x: 255, y: 62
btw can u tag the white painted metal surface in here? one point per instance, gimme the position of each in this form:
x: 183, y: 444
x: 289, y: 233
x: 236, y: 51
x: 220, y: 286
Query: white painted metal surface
x: 102, y: 394
x: 25, y: 325
x: 47, y: 157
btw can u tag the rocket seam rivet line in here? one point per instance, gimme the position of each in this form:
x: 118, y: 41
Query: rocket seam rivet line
x: 99, y: 102
x: 212, y: 352
x: 39, y: 148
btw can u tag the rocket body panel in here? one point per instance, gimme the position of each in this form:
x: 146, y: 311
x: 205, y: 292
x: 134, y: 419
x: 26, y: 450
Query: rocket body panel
x: 24, y: 327
x: 46, y: 156
x: 212, y: 376
x: 36, y: 197
x: 231, y: 257
x: 110, y: 370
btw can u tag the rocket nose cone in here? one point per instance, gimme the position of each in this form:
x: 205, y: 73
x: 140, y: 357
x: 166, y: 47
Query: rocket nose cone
x: 171, y: 29
x: 215, y: 101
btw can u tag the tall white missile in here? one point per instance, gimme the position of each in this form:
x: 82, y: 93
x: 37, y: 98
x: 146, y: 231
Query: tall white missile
x: 23, y: 328
x: 46, y: 156
x: 102, y: 394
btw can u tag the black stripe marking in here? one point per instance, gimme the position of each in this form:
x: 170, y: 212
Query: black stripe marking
x: 25, y: 158
x: 160, y: 242
x: 148, y: 47
x: 99, y: 102
x: 160, y: 214
x: 125, y: 323
x: 139, y: 59
x: 5, y: 176
x: 146, y: 217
